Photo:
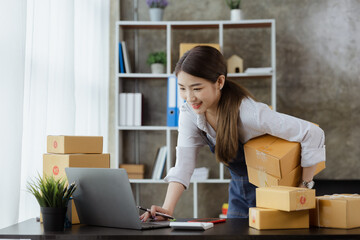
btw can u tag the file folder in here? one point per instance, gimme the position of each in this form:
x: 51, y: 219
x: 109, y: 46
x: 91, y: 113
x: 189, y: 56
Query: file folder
x: 172, y: 102
x: 180, y: 102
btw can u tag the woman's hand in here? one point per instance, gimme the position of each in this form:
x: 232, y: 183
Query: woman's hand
x: 144, y: 217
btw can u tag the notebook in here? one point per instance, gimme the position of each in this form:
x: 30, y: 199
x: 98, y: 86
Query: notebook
x: 104, y: 198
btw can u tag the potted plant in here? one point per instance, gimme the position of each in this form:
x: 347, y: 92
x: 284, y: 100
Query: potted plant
x: 156, y: 9
x: 235, y: 10
x: 53, y: 197
x: 157, y: 61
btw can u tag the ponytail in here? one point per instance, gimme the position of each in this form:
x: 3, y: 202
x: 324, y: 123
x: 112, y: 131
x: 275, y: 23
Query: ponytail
x: 227, y: 133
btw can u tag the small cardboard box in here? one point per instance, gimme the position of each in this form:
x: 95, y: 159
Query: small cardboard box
x: 262, y: 179
x: 184, y: 47
x: 336, y: 211
x: 74, y: 144
x: 263, y: 218
x: 134, y: 171
x: 285, y: 198
x: 272, y: 161
x: 55, y: 164
x: 292, y: 179
x: 272, y: 155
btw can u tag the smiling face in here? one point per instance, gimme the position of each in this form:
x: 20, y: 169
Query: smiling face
x: 202, y: 95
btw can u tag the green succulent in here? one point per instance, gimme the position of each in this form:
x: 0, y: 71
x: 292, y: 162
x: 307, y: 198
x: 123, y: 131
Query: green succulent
x: 156, y: 57
x: 50, y: 192
x: 233, y: 4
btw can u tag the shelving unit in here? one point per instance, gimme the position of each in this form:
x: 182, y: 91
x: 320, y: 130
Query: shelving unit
x: 169, y: 26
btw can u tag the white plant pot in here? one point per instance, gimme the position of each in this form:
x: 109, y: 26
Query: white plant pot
x: 236, y: 15
x: 157, y: 68
x: 156, y: 14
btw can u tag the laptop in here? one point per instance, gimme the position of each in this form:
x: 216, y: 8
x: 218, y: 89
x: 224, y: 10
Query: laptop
x: 104, y: 198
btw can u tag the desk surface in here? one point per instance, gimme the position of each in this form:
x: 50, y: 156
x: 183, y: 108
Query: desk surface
x: 232, y: 229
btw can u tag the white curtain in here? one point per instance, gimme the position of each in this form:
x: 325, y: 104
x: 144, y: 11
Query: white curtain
x: 66, y: 80
x: 12, y: 61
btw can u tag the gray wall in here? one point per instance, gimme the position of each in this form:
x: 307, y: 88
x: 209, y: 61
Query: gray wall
x: 317, y: 72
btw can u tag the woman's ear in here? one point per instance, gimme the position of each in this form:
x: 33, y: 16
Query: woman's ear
x: 220, y: 82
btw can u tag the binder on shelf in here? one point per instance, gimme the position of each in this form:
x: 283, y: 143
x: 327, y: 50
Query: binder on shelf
x: 121, y: 59
x: 171, y: 102
x: 138, y: 109
x: 130, y: 103
x: 126, y: 57
x: 159, y: 163
x: 122, y: 109
x: 180, y: 102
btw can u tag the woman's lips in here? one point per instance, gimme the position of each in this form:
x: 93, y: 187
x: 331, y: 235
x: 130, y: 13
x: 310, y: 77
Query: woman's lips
x: 196, y: 106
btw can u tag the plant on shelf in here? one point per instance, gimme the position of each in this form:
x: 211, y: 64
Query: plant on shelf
x: 157, y: 9
x: 233, y: 4
x: 235, y: 10
x: 53, y: 197
x: 157, y: 61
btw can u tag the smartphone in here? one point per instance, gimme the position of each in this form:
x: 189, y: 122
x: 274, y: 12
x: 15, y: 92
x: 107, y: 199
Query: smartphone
x: 212, y: 220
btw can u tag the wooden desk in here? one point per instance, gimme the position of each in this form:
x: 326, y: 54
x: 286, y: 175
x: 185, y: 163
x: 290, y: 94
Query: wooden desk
x: 232, y: 229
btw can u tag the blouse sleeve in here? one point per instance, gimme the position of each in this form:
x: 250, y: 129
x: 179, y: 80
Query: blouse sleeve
x: 267, y: 121
x: 188, y: 145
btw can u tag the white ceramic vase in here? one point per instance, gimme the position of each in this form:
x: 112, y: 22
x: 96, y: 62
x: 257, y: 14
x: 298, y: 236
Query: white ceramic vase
x: 156, y: 14
x: 236, y: 15
x: 157, y: 68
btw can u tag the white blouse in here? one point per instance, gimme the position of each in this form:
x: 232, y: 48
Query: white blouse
x: 256, y: 119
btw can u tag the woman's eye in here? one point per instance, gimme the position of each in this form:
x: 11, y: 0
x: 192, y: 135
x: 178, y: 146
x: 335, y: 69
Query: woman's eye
x: 197, y: 89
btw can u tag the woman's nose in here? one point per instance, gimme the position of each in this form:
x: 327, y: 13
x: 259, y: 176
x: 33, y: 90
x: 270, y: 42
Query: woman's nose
x: 190, y: 97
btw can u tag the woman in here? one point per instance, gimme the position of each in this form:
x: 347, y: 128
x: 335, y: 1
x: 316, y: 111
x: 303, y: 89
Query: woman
x: 222, y: 114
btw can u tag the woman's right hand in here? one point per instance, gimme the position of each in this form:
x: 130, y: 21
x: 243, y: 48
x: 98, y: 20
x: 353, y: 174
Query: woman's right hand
x: 144, y: 217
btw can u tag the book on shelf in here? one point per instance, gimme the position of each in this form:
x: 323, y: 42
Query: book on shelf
x: 126, y: 57
x: 121, y: 60
x: 130, y: 104
x: 200, y: 174
x: 261, y: 70
x: 159, y: 163
x: 122, y: 109
x: 130, y: 109
x: 138, y: 109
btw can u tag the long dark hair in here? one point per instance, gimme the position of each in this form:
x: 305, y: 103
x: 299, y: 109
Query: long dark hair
x: 208, y: 63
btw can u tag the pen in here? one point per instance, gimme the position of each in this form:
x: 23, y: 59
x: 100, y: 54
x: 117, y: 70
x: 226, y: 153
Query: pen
x: 156, y: 213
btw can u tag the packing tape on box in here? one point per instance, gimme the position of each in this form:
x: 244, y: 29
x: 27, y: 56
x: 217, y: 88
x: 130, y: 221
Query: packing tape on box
x: 261, y: 155
x: 263, y: 178
x: 334, y: 196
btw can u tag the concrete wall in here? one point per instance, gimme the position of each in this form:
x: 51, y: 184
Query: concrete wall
x: 317, y: 73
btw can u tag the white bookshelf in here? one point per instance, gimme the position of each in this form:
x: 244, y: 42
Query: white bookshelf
x: 169, y: 26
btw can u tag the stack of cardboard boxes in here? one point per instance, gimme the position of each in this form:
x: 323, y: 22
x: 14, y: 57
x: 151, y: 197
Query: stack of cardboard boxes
x: 281, y: 207
x: 73, y: 151
x: 336, y: 211
x: 134, y: 171
x: 273, y: 161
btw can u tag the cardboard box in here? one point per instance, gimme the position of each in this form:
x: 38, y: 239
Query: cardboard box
x: 285, y: 198
x: 262, y: 179
x: 292, y: 179
x: 55, y: 164
x: 262, y: 218
x: 184, y: 47
x: 134, y: 171
x: 272, y: 161
x: 272, y: 155
x: 336, y: 211
x: 74, y: 144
